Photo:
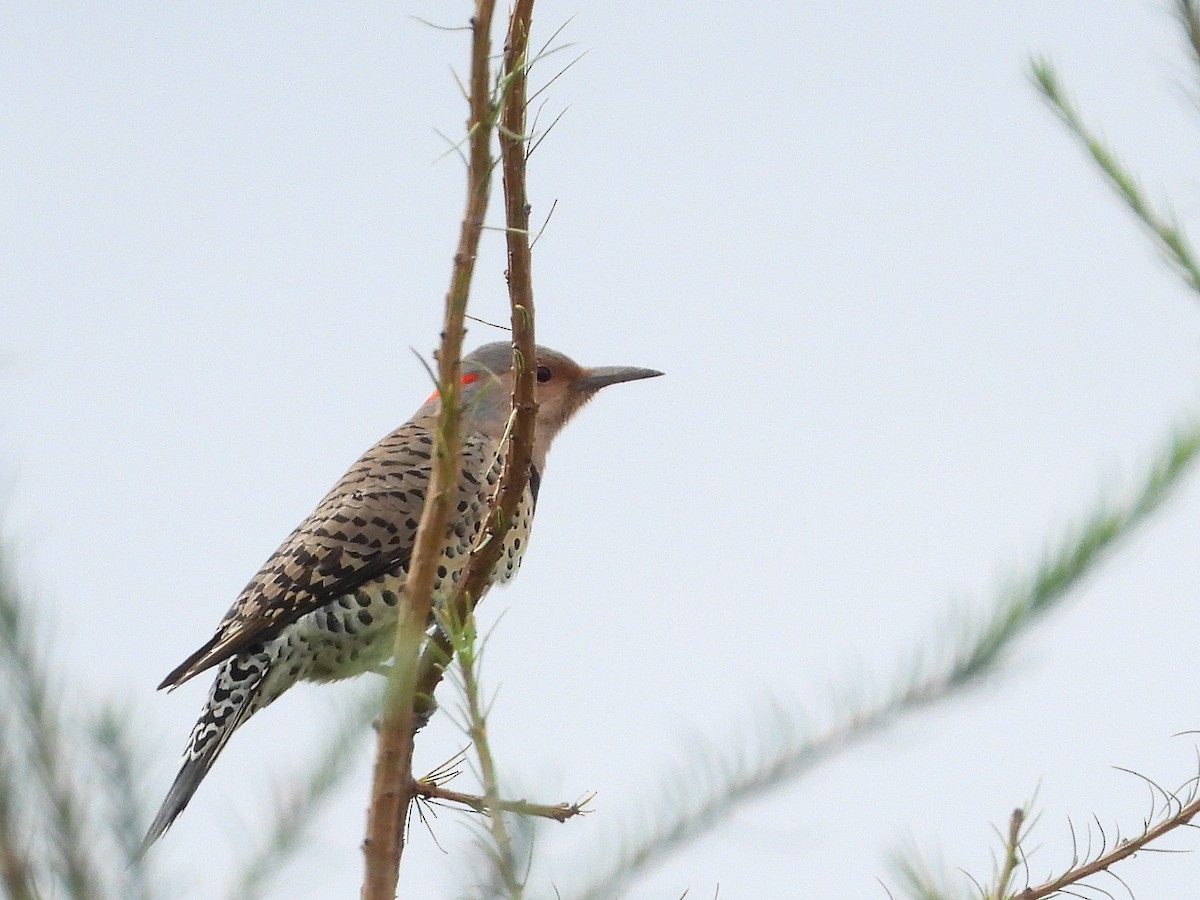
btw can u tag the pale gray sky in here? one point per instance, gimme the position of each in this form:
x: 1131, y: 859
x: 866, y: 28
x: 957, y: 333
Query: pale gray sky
x: 908, y: 334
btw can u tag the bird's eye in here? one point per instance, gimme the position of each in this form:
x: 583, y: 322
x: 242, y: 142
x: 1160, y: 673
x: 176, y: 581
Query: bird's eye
x: 543, y: 374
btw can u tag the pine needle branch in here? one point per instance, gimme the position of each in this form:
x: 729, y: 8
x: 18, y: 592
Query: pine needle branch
x: 1164, y: 228
x: 735, y: 780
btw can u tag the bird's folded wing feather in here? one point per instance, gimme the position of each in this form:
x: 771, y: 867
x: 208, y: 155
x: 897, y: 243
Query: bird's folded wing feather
x: 365, y: 527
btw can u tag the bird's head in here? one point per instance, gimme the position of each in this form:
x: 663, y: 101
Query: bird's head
x: 563, y: 387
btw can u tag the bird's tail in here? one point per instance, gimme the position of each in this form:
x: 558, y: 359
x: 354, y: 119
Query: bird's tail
x: 234, y: 697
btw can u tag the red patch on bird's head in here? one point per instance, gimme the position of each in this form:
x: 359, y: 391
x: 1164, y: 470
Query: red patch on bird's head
x: 467, y: 378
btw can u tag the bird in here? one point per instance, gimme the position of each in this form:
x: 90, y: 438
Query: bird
x: 324, y: 606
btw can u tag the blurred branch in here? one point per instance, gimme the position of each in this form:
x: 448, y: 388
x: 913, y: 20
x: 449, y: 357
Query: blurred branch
x: 119, y: 762
x: 16, y: 874
x: 1189, y: 18
x: 58, y: 811
x: 294, y: 812
x: 735, y: 780
x: 1164, y: 228
x: 922, y: 882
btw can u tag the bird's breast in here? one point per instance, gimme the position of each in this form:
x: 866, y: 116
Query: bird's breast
x: 356, y: 632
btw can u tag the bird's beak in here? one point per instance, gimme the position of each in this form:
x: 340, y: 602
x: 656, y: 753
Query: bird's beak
x: 602, y: 376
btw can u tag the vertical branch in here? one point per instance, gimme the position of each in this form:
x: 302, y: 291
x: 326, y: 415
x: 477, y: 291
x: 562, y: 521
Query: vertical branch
x: 513, y: 154
x: 519, y: 454
x: 393, y: 786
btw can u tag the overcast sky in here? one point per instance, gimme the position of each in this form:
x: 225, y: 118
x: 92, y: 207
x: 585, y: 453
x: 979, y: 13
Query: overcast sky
x: 909, y: 335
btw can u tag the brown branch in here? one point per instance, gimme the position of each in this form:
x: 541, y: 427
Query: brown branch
x: 393, y: 786
x: 410, y: 687
x: 518, y: 455
x: 559, y: 812
x: 1123, y: 850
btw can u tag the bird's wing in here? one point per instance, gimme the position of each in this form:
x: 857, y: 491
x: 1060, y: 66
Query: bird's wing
x: 365, y: 527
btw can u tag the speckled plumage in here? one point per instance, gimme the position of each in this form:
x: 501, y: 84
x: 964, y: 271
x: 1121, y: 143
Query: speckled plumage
x: 325, y: 604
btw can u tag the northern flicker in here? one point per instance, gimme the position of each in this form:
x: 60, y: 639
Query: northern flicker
x: 324, y: 605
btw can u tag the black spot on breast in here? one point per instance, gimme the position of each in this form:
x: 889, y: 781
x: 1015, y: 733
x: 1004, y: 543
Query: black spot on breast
x: 365, y: 617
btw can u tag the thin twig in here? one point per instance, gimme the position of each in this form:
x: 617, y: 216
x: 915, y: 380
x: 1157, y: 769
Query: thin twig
x: 1122, y: 849
x: 504, y: 868
x: 1011, y: 854
x: 559, y: 812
